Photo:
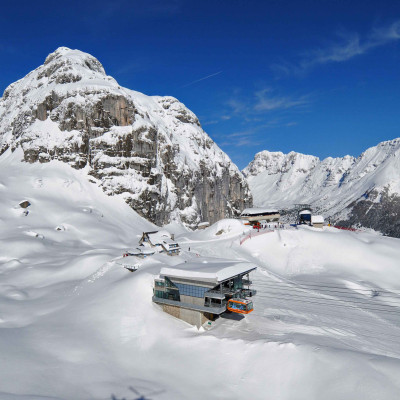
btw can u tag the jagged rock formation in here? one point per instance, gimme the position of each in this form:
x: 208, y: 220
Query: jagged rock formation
x: 151, y: 150
x: 363, y: 191
x: 376, y: 210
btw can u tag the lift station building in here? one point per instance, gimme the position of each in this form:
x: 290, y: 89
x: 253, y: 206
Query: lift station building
x: 254, y: 215
x: 198, y: 292
x: 305, y: 217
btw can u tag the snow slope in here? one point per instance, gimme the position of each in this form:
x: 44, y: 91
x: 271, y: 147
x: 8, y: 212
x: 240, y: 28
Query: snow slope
x: 74, y: 324
x: 343, y: 188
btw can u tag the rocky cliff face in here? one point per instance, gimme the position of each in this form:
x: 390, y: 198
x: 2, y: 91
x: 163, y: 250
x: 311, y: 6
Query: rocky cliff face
x: 363, y: 191
x: 149, y: 149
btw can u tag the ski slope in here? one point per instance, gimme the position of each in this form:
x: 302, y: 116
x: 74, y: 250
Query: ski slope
x: 75, y: 324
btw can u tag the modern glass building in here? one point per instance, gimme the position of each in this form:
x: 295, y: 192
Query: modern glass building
x: 199, y: 291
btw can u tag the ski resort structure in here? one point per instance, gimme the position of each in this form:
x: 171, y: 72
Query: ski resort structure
x: 198, y: 292
x: 254, y: 215
x: 162, y: 241
x: 317, y: 221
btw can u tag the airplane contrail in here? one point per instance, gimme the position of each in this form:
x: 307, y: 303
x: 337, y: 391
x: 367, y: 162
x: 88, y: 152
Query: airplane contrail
x: 201, y: 79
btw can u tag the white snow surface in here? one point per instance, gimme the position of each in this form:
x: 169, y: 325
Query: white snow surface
x: 159, y: 236
x: 75, y: 324
x: 282, y: 180
x: 256, y: 210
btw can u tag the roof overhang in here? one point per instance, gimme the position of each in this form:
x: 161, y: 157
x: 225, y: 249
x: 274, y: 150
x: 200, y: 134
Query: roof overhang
x: 208, y: 270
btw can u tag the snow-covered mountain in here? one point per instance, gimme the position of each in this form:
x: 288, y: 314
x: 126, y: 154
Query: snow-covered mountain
x: 149, y: 149
x: 354, y: 191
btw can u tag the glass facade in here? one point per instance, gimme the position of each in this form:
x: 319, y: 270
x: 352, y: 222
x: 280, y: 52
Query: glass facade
x: 191, y: 290
x: 168, y: 294
x: 237, y: 283
x: 166, y: 290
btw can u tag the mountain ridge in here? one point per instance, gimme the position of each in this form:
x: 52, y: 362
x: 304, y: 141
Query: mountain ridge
x: 149, y: 149
x: 353, y: 191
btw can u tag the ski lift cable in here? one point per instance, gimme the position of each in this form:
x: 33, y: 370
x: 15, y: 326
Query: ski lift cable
x: 326, y: 284
x: 316, y: 285
x: 327, y: 293
x: 343, y: 303
x: 322, y: 289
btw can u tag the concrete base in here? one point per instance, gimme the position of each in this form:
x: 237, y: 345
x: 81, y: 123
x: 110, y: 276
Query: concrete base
x: 192, y: 317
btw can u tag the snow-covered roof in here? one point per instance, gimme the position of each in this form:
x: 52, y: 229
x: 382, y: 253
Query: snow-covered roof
x: 158, y: 237
x: 208, y: 269
x: 318, y: 219
x: 250, y: 211
x: 305, y: 212
x: 169, y: 244
x: 147, y: 251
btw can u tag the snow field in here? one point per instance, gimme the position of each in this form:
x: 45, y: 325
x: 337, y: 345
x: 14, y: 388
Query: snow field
x: 74, y: 324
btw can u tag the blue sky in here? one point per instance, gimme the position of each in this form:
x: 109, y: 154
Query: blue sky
x: 318, y: 77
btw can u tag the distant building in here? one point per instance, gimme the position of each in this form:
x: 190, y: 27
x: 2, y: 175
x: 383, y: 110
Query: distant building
x: 198, y: 292
x: 254, y: 215
x: 162, y: 241
x: 203, y: 225
x: 317, y: 221
x: 305, y: 217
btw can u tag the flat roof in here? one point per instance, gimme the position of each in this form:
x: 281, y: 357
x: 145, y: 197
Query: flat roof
x: 259, y: 211
x: 319, y: 219
x: 208, y: 269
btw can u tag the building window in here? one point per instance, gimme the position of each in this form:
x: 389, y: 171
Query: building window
x: 160, y: 294
x: 169, y: 294
x: 237, y: 283
x: 191, y: 290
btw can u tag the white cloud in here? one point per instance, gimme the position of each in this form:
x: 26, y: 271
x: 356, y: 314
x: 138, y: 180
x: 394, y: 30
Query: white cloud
x: 236, y: 105
x: 348, y: 46
x: 267, y: 101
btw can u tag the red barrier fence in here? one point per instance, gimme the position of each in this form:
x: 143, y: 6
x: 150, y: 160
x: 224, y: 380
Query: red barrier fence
x: 345, y: 228
x: 253, y: 234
